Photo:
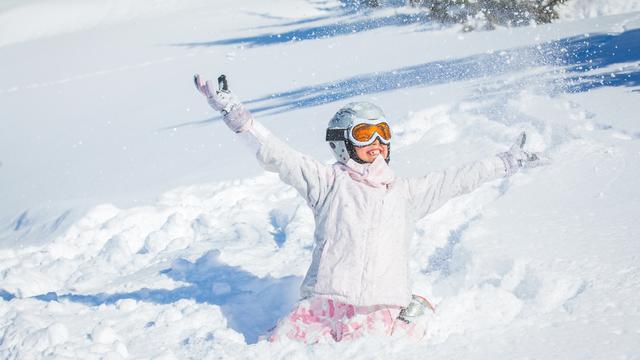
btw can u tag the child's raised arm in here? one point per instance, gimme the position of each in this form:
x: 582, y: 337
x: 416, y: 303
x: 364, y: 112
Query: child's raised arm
x: 311, y: 178
x: 430, y: 192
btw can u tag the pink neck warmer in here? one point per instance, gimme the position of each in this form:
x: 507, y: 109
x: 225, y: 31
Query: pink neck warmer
x: 376, y: 174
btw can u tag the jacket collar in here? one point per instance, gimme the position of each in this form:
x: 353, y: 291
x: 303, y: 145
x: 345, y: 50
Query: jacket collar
x: 376, y: 174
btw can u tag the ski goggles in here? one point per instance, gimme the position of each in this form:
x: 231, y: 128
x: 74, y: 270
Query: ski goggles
x: 362, y: 134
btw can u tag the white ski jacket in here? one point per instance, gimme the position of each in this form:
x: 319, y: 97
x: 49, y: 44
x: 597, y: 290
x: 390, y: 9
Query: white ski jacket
x: 362, y: 234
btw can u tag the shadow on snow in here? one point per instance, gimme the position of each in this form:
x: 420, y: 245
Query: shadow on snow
x: 314, y: 32
x: 584, y: 63
x: 585, y: 54
x: 251, y: 305
x: 6, y: 296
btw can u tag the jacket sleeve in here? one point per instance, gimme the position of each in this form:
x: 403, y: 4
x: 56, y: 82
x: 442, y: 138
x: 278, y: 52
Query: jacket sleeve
x: 311, y: 178
x: 430, y: 192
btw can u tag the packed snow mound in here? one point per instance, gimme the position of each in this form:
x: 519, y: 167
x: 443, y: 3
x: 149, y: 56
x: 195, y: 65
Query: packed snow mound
x: 163, y: 253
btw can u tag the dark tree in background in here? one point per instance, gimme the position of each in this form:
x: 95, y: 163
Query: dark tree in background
x: 484, y: 13
x: 372, y: 3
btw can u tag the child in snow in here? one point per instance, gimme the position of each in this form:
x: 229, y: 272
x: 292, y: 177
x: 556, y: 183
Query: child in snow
x: 358, y: 281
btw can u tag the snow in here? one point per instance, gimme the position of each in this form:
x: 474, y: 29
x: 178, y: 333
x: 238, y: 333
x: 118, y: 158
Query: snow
x: 135, y: 225
x: 583, y: 9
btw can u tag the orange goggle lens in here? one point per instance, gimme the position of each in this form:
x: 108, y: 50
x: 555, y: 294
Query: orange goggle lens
x: 365, y: 132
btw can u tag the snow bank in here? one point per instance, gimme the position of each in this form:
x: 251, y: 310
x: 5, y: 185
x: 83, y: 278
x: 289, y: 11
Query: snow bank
x: 584, y: 9
x: 163, y: 253
x: 116, y: 331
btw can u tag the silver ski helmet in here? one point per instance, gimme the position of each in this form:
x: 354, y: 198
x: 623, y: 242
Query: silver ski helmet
x: 340, y: 126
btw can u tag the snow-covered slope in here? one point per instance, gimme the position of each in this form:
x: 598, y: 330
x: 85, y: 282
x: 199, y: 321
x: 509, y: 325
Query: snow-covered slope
x: 135, y: 225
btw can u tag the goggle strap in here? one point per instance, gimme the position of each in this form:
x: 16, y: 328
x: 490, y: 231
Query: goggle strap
x: 336, y: 134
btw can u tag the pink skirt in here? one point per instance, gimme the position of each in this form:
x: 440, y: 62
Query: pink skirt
x: 321, y: 319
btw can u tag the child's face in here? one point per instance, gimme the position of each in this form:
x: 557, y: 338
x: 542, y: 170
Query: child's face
x: 370, y: 152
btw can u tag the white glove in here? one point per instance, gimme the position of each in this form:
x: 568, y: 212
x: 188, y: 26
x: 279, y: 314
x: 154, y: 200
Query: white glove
x: 235, y: 115
x: 516, y: 158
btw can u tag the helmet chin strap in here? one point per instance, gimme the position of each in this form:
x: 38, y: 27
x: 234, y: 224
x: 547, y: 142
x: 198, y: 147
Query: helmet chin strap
x: 354, y: 156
